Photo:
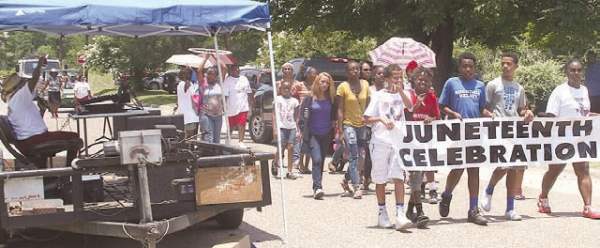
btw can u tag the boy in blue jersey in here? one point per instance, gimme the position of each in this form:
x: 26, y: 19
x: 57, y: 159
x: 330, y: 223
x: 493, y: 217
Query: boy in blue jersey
x: 464, y: 97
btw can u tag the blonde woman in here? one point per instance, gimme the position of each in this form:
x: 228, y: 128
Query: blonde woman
x: 316, y: 124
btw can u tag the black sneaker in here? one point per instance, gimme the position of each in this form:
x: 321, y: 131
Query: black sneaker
x: 412, y: 216
x: 421, y: 220
x: 291, y: 176
x: 274, y: 169
x: 422, y: 191
x: 476, y: 217
x: 445, y: 205
x: 433, y: 197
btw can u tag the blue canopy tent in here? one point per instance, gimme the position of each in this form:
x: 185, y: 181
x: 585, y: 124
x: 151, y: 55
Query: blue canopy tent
x: 136, y: 19
x: 133, y: 18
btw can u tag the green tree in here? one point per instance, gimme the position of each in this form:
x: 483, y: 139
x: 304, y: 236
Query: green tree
x: 313, y: 43
x: 563, y: 26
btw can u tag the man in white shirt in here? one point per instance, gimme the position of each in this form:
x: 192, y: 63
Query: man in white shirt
x: 185, y: 106
x: 240, y: 100
x: 27, y: 123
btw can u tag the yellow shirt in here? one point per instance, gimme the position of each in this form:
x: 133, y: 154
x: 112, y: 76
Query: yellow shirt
x: 353, y: 109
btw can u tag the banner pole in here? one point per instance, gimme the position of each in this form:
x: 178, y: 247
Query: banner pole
x: 216, y: 43
x: 276, y: 118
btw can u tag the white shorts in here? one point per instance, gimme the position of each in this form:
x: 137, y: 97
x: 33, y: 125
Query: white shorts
x: 386, y: 164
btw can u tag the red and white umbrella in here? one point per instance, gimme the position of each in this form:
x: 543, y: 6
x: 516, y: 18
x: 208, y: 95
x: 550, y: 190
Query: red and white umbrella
x: 401, y: 51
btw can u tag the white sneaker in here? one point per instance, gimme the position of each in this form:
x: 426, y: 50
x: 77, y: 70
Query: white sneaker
x: 318, y: 194
x: 486, y: 202
x: 513, y: 215
x: 242, y: 145
x: 383, y: 220
x: 402, y: 222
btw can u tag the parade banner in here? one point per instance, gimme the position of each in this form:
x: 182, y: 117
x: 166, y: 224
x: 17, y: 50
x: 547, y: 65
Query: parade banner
x: 486, y: 142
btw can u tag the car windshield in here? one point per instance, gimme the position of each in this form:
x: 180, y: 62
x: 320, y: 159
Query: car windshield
x: 30, y: 65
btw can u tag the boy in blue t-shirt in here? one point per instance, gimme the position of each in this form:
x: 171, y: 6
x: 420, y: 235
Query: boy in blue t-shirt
x: 464, y: 97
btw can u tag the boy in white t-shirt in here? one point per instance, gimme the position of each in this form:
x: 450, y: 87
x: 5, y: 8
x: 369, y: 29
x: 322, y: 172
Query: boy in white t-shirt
x: 386, y: 108
x: 287, y: 115
x: 570, y: 99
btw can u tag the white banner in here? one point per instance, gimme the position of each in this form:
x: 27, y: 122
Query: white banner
x: 486, y: 142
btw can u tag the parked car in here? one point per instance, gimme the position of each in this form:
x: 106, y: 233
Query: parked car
x: 336, y: 67
x: 68, y: 94
x: 170, y: 80
x: 153, y: 81
x: 261, y: 120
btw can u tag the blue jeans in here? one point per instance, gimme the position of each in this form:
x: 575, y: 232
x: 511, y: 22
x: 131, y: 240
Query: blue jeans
x: 354, y: 137
x: 318, y: 151
x: 215, y: 125
x: 204, y: 129
x: 297, y: 151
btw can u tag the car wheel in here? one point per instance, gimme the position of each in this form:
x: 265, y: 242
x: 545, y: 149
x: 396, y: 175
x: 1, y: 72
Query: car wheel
x: 259, y: 132
x: 154, y: 86
x: 230, y: 219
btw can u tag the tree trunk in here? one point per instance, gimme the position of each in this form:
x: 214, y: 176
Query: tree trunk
x: 442, y: 42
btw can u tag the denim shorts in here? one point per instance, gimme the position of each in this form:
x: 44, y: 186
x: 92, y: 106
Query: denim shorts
x: 287, y: 136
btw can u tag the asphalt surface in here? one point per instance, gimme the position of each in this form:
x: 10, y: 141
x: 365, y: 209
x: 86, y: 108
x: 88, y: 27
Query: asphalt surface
x: 344, y: 222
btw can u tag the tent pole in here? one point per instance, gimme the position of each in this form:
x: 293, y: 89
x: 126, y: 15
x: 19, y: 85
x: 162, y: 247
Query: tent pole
x: 216, y: 42
x: 277, y: 121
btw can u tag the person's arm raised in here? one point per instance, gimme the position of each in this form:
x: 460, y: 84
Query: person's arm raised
x: 37, y: 72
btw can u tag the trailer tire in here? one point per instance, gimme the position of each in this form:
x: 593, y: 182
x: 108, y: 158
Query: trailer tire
x: 3, y: 238
x: 230, y: 219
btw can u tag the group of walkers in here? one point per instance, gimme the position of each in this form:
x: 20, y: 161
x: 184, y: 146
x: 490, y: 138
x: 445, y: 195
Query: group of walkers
x: 54, y: 84
x: 360, y: 113
x: 203, y: 101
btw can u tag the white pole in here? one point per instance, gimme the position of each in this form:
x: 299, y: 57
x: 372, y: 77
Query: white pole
x: 228, y: 141
x: 277, y: 121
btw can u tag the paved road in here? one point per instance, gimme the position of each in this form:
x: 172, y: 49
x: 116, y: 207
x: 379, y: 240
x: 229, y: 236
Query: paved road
x: 344, y: 222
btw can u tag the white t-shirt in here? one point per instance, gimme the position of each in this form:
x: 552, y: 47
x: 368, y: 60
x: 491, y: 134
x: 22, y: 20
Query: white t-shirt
x: 24, y: 116
x: 286, y: 108
x: 373, y: 89
x: 184, y: 103
x: 81, y: 89
x: 566, y: 101
x: 212, y: 99
x: 236, y: 90
x: 391, y: 106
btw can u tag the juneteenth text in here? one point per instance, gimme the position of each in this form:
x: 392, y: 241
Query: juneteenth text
x: 504, y: 141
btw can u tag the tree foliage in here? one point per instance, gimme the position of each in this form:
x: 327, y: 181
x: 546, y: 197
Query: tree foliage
x: 563, y: 27
x: 538, y: 72
x: 314, y: 43
x: 566, y: 27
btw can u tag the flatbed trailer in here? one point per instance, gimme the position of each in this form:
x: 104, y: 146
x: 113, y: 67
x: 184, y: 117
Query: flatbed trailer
x: 192, y: 185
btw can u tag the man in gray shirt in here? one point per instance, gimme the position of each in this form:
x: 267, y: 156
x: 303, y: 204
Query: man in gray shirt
x: 506, y: 98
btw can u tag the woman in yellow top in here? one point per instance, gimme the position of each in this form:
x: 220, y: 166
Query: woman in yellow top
x: 353, y: 98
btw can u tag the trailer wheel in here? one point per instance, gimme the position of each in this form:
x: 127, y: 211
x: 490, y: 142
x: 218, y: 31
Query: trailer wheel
x: 230, y: 219
x: 3, y: 238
